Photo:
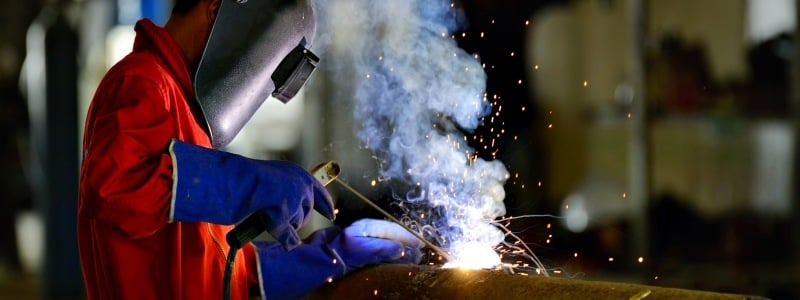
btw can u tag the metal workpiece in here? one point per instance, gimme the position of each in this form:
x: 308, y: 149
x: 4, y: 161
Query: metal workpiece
x: 394, y: 281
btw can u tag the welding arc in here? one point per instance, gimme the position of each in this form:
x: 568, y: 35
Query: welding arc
x: 393, y: 219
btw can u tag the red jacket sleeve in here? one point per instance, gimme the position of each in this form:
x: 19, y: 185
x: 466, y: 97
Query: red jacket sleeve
x: 126, y: 174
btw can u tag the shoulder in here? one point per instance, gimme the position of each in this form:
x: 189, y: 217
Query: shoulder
x: 141, y: 66
x: 138, y: 83
x: 140, y: 76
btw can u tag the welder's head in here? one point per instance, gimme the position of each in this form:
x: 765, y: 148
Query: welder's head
x: 256, y: 49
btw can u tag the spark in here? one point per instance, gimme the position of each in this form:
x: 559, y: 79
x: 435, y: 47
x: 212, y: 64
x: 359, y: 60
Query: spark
x: 527, y: 22
x: 373, y: 182
x: 512, y: 53
x: 641, y: 259
x: 611, y: 259
x: 330, y: 279
x: 481, y: 34
x: 575, y: 255
x: 624, y: 195
x: 336, y: 211
x: 375, y: 292
x: 530, y: 216
x: 629, y: 115
x: 519, y: 81
x: 334, y: 261
x: 549, y: 125
x: 535, y: 67
x: 585, y: 83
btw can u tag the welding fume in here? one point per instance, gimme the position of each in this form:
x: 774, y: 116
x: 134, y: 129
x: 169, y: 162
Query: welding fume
x: 159, y: 195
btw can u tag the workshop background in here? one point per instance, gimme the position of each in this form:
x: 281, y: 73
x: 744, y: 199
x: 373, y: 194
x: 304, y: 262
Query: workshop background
x: 659, y: 136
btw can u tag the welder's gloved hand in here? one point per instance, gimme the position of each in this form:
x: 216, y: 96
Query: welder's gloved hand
x: 331, y: 253
x: 224, y: 188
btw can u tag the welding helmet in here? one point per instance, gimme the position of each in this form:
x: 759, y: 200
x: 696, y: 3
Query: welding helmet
x: 257, y: 49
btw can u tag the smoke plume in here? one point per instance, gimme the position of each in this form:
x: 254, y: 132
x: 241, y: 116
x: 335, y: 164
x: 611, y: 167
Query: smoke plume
x: 417, y: 97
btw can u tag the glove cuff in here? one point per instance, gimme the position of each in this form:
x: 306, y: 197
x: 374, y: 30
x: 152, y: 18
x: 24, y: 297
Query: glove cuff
x: 212, y: 186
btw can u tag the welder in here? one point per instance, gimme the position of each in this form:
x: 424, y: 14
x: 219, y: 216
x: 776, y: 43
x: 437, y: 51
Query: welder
x: 158, y: 193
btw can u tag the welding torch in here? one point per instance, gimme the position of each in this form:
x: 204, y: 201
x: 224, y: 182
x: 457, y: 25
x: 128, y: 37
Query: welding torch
x: 395, y: 220
x: 256, y: 223
x: 326, y: 172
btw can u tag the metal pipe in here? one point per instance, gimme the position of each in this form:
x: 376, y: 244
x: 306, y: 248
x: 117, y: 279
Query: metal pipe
x: 394, y: 281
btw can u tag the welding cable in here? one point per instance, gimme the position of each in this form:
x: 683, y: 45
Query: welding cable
x: 239, y: 236
x: 226, y: 279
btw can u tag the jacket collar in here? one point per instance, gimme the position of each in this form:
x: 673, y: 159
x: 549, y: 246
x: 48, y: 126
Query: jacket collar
x: 154, y: 39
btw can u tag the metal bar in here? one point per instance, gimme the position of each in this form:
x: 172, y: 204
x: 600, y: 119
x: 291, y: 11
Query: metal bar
x: 639, y: 146
x: 795, y: 119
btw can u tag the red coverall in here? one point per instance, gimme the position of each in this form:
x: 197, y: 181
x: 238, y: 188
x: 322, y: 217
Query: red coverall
x: 129, y: 249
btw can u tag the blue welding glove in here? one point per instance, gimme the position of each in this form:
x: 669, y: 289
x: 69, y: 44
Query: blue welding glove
x: 224, y: 188
x: 331, y: 253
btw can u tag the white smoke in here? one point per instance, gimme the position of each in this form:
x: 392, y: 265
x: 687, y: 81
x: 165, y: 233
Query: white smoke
x: 417, y: 96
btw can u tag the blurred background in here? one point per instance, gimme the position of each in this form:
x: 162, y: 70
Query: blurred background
x: 659, y: 136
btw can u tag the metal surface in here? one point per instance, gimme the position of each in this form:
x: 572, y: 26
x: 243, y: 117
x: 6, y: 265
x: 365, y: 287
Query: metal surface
x: 424, y: 282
